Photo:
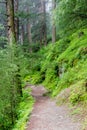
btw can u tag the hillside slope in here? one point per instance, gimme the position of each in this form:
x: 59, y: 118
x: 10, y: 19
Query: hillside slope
x: 60, y: 65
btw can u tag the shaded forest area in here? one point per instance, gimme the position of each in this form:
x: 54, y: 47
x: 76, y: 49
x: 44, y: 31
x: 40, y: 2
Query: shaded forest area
x: 41, y: 42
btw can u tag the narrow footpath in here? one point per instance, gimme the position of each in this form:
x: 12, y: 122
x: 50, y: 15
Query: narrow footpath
x: 46, y: 115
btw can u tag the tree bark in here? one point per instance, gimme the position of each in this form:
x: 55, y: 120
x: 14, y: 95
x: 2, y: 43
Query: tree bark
x: 16, y: 5
x: 29, y: 31
x: 10, y: 21
x: 22, y: 34
x: 12, y: 37
x: 53, y: 24
x: 44, y: 27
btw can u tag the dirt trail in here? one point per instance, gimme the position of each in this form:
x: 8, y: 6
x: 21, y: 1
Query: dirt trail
x: 47, y: 115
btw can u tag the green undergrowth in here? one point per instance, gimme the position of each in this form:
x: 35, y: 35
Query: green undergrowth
x: 24, y: 110
x: 63, y: 65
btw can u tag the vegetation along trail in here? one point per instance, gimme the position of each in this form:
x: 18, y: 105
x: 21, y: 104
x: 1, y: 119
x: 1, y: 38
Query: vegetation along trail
x: 43, y: 42
x: 47, y: 115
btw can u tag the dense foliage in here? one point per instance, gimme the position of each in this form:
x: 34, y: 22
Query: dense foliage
x: 13, y: 69
x: 62, y: 65
x: 70, y: 16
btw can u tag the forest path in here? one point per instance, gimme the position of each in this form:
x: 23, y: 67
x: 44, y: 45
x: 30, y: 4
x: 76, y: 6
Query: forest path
x: 46, y: 115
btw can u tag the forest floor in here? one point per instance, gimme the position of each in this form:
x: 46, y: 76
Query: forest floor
x: 46, y: 115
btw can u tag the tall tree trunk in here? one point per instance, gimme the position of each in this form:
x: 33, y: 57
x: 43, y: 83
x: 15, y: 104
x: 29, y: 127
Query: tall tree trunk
x: 22, y: 34
x: 29, y: 31
x: 12, y: 36
x: 10, y: 20
x: 44, y: 27
x: 16, y: 5
x: 53, y: 24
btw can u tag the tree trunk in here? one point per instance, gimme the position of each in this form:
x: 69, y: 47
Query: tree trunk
x: 16, y: 5
x: 10, y: 21
x: 44, y: 28
x: 29, y: 31
x: 22, y: 34
x: 12, y: 37
x: 18, y: 81
x: 53, y: 24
